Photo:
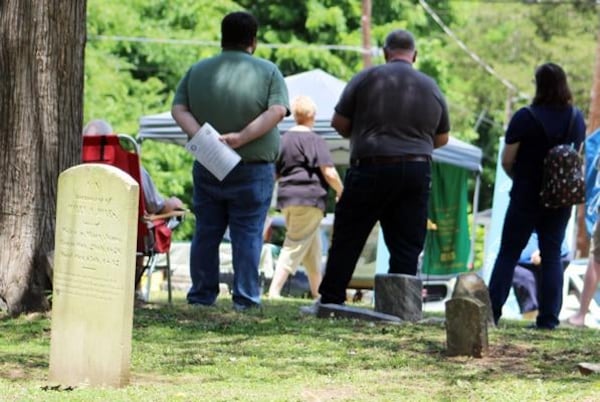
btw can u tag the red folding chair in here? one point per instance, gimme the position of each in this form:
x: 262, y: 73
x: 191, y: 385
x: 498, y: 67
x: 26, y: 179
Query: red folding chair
x: 154, y: 231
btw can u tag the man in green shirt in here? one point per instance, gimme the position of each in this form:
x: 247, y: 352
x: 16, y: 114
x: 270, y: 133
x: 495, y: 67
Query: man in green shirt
x: 244, y: 98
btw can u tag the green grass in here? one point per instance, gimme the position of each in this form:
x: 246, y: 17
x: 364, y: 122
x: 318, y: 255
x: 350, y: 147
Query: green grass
x: 214, y: 354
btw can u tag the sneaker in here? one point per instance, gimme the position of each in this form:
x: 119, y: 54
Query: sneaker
x: 246, y: 307
x: 139, y: 300
x: 534, y: 326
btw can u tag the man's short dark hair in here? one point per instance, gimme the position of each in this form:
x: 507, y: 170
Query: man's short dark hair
x: 399, y: 40
x: 238, y: 30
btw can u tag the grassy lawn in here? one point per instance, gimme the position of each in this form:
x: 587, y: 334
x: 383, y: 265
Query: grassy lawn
x: 215, y: 354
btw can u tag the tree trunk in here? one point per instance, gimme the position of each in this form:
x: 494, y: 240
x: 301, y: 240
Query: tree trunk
x: 41, y: 90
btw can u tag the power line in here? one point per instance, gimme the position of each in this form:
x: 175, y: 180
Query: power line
x: 472, y: 54
x: 139, y: 39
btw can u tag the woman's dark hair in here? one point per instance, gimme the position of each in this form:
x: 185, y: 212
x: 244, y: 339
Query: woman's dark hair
x: 238, y: 30
x: 551, y: 86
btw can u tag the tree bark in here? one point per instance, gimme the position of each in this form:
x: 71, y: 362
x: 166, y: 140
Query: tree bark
x: 41, y: 90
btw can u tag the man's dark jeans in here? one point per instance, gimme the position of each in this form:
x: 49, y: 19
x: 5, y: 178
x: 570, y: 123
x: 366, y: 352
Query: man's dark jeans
x: 240, y: 201
x: 395, y: 195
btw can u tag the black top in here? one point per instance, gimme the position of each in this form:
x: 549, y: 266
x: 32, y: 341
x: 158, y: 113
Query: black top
x: 298, y: 165
x: 395, y: 110
x: 534, y: 145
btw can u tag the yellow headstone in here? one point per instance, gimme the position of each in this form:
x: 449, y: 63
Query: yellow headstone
x: 94, y: 273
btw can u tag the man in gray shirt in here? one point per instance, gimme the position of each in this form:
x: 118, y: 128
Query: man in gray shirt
x: 394, y: 116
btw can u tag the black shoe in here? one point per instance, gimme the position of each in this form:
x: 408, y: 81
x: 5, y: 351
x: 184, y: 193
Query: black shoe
x: 533, y: 325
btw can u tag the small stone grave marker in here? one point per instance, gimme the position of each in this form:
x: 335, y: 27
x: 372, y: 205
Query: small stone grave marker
x: 349, y: 312
x: 472, y: 285
x: 399, y: 295
x: 466, y: 327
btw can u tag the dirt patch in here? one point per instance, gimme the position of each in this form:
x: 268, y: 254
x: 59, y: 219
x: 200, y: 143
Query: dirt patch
x: 328, y: 394
x: 505, y: 357
x: 15, y: 374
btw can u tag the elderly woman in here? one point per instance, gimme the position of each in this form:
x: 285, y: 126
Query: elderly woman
x: 305, y: 171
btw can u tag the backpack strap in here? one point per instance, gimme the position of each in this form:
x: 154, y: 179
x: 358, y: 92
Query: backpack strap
x: 572, y: 122
x: 539, y: 122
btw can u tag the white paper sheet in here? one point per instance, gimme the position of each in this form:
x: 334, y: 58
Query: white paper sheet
x: 217, y: 157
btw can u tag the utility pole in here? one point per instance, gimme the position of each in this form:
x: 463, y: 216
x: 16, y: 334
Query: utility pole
x: 583, y: 243
x: 366, y: 33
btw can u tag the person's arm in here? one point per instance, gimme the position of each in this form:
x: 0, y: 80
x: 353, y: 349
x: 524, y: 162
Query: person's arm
x: 257, y: 127
x: 342, y: 125
x: 184, y: 118
x: 333, y: 179
x: 509, y: 154
x: 440, y: 140
x: 171, y: 204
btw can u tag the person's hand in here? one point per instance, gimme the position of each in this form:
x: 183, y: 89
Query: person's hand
x: 172, y: 204
x: 177, y: 203
x: 536, y: 258
x: 234, y: 140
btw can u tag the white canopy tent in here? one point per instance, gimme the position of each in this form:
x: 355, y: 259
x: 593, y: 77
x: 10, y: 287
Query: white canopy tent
x: 325, y: 90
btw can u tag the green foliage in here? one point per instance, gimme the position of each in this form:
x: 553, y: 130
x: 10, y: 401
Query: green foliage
x: 513, y: 39
x: 127, y: 78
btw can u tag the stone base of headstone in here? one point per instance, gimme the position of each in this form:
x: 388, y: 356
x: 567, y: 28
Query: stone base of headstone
x: 342, y: 311
x: 399, y: 295
x: 471, y: 285
x: 466, y: 327
x: 588, y: 368
x: 433, y: 321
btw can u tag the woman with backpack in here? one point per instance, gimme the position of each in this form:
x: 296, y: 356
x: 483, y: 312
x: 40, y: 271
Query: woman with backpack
x: 532, y: 132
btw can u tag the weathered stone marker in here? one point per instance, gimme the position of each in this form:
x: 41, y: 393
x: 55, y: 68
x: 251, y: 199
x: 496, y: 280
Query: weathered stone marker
x: 466, y: 327
x: 94, y: 269
x: 399, y: 295
x: 472, y: 285
x: 349, y: 312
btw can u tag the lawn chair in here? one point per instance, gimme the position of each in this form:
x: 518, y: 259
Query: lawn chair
x: 154, y: 231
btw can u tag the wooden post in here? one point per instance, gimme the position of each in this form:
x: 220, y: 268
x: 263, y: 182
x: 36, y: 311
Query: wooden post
x: 366, y: 33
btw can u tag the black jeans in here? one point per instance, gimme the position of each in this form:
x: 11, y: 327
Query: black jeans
x: 395, y: 195
x: 519, y: 223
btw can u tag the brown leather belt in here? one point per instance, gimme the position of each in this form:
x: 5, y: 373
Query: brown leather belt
x: 388, y: 160
x: 254, y: 162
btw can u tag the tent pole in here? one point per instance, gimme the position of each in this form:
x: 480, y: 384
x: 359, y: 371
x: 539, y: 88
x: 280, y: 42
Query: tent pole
x: 474, y: 222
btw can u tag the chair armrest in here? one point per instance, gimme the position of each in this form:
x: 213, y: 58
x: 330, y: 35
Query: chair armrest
x: 173, y: 214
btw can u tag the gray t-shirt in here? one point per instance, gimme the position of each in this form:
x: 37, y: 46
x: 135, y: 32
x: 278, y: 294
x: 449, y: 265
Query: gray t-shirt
x: 301, y: 181
x: 152, y: 198
x: 394, y: 110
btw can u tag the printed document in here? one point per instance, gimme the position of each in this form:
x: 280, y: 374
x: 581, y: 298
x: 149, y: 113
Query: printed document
x: 216, y: 156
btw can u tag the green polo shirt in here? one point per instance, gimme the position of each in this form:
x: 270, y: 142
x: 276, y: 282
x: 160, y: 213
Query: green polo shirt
x: 229, y: 91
